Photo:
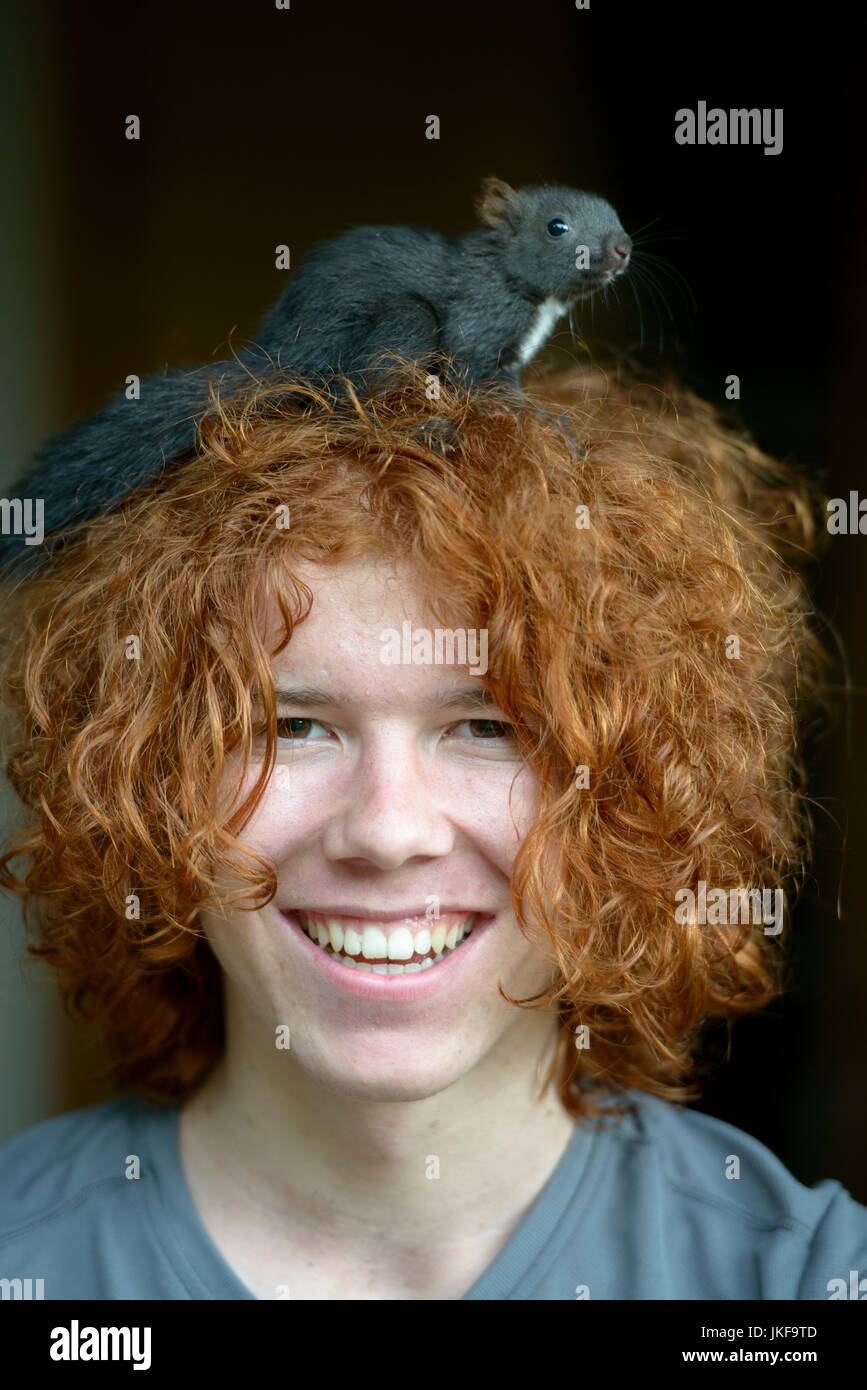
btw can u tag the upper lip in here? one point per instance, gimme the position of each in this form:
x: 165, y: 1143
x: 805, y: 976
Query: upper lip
x: 372, y: 916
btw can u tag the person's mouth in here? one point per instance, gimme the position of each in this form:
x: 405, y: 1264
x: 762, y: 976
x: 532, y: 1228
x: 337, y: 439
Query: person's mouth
x: 391, y: 945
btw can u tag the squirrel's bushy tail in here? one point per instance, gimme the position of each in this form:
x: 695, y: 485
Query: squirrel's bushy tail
x: 98, y: 461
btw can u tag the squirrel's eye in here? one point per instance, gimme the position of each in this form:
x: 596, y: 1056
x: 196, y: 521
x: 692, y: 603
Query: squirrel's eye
x: 557, y: 227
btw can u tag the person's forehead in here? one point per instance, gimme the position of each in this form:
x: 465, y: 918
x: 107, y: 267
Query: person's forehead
x: 363, y: 585
x: 364, y: 592
x: 336, y: 656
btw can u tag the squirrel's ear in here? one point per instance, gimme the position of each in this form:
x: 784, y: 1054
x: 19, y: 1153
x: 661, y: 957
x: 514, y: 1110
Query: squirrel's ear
x: 492, y: 203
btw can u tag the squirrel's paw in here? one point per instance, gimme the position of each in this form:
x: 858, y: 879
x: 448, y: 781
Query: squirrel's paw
x: 440, y: 434
x: 566, y: 425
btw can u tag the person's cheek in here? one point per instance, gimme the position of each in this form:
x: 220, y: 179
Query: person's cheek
x: 497, y: 813
x: 288, y: 813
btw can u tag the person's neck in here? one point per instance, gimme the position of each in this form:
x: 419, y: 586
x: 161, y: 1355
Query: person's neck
x: 402, y: 1182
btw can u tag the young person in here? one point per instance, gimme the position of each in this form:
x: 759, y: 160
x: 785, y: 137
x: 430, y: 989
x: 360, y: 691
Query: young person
x: 401, y: 818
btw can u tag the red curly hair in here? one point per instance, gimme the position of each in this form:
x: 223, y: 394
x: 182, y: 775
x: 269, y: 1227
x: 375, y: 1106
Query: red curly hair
x: 607, y: 650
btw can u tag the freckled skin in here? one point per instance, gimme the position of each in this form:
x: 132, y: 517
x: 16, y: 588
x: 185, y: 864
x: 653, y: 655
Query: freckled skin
x: 387, y: 810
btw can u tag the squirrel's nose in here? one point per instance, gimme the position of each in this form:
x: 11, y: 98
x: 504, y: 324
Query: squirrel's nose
x: 619, y: 250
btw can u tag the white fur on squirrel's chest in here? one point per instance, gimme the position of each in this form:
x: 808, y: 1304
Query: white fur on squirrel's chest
x: 547, y: 314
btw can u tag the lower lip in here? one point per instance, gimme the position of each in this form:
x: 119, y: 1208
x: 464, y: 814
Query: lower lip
x: 364, y: 984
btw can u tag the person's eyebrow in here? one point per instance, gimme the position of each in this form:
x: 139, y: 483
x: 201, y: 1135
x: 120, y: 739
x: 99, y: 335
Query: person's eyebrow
x: 472, y: 696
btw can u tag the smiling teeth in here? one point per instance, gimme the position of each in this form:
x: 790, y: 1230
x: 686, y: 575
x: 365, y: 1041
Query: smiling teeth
x: 401, y: 952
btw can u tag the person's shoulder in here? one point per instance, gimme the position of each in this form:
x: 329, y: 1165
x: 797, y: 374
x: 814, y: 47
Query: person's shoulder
x: 60, y: 1162
x: 81, y: 1207
x: 715, y: 1162
x: 729, y: 1179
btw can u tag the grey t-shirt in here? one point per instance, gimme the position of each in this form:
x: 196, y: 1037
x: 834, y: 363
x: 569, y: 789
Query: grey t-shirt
x: 649, y: 1208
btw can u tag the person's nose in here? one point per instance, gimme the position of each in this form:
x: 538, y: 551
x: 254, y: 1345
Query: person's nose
x: 390, y: 814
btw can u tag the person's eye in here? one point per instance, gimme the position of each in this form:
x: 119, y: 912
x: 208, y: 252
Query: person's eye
x: 501, y: 729
x: 287, y: 728
x: 295, y: 729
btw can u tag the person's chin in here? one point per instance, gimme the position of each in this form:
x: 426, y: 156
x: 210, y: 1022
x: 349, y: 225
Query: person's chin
x: 390, y: 1074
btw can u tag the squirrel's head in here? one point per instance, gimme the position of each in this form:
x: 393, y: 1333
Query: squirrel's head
x: 557, y: 240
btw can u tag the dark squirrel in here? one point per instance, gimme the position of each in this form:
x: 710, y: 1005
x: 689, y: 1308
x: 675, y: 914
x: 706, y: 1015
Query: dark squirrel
x: 488, y: 300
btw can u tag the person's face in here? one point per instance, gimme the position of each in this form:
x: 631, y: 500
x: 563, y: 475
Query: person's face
x: 392, y: 798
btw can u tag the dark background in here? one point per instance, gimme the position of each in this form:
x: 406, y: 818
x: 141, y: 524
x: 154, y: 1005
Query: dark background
x: 262, y: 126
